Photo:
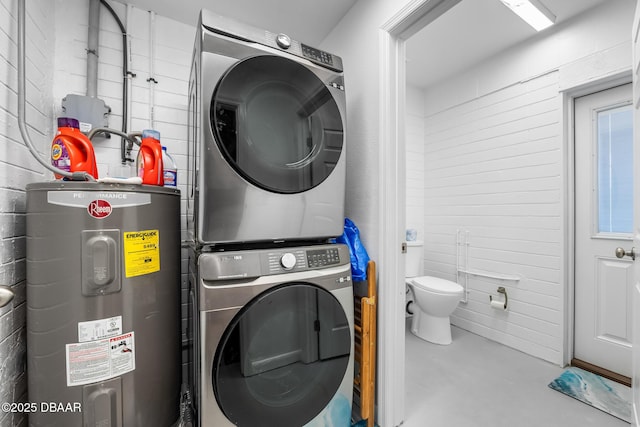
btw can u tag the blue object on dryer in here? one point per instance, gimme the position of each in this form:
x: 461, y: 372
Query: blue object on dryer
x: 359, y: 255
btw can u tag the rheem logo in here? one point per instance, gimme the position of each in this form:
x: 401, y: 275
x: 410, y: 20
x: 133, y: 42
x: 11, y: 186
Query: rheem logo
x: 99, y: 208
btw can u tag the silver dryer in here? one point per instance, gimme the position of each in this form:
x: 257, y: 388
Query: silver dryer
x: 266, y: 145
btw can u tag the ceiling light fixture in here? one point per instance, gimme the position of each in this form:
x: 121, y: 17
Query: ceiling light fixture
x: 532, y: 12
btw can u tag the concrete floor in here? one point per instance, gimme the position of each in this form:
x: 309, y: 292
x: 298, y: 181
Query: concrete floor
x: 475, y: 382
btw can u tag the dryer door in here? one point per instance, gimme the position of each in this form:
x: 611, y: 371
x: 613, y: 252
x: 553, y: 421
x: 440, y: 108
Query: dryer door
x: 270, y: 368
x: 277, y: 124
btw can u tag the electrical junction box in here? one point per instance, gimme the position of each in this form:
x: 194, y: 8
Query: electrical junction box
x: 90, y: 112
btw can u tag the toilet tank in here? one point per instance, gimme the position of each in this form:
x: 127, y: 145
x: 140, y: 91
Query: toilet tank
x: 413, y: 260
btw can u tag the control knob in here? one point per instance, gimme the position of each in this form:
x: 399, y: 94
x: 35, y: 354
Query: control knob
x: 288, y: 261
x: 283, y: 41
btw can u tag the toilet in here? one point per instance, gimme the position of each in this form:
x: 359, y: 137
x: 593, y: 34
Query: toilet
x: 434, y: 299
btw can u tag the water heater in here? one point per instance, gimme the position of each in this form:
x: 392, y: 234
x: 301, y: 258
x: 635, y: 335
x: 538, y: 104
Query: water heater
x: 103, y: 304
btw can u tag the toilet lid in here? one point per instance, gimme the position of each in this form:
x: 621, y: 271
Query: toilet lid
x: 436, y: 284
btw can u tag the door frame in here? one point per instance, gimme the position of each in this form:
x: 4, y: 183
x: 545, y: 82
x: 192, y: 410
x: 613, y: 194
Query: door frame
x: 569, y: 95
x: 414, y: 16
x: 391, y: 44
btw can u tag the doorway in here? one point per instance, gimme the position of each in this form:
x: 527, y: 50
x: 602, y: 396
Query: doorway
x: 603, y: 158
x: 392, y: 115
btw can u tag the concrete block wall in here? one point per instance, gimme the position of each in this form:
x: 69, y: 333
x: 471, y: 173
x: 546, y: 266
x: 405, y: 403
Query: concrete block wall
x: 56, y: 34
x: 160, y: 51
x: 17, y: 169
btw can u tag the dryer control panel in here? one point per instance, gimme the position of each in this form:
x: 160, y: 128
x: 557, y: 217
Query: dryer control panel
x: 317, y: 55
x: 211, y: 22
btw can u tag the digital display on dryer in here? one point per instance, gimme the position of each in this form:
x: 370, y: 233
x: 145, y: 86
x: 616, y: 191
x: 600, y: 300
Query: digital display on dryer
x: 317, y: 55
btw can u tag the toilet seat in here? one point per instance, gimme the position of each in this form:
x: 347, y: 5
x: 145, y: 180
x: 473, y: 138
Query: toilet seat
x: 436, y: 285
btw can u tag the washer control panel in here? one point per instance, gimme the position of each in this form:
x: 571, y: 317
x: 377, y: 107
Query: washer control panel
x: 231, y: 265
x: 296, y: 260
x: 323, y: 257
x: 288, y: 261
x: 285, y: 261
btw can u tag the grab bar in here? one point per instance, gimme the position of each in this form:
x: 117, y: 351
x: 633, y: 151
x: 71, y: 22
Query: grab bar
x: 462, y: 239
x: 491, y: 275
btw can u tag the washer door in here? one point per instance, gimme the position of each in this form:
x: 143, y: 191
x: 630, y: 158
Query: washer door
x: 282, y: 358
x: 277, y: 124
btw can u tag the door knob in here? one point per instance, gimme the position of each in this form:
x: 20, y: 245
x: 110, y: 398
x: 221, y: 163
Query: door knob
x: 621, y: 253
x: 6, y: 295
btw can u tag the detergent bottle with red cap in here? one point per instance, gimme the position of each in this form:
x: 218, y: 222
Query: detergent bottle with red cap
x: 71, y: 150
x: 150, y: 158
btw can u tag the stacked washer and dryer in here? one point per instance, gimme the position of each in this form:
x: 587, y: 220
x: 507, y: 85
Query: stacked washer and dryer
x: 271, y: 302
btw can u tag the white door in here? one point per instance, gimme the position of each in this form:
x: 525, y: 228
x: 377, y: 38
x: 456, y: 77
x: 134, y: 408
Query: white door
x: 635, y: 64
x: 604, y: 282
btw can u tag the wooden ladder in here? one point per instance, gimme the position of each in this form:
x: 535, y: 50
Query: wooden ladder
x: 364, y: 382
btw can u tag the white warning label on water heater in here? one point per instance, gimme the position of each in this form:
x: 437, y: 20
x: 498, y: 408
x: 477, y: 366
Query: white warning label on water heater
x: 99, y: 360
x: 98, y: 329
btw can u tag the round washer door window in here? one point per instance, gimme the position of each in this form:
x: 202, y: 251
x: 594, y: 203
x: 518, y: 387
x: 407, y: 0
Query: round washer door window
x: 277, y: 124
x: 282, y: 358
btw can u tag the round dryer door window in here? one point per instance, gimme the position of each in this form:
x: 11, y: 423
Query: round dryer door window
x: 277, y: 124
x: 282, y: 358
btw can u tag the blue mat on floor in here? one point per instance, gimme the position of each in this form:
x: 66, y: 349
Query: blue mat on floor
x: 601, y: 393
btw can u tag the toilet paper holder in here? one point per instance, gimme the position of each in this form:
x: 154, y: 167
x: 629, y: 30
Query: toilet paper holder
x: 501, y: 290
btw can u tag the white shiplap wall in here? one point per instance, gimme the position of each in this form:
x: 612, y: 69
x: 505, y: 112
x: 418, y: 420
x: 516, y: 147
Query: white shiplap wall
x: 18, y: 168
x: 497, y: 159
x: 415, y: 170
x: 493, y: 170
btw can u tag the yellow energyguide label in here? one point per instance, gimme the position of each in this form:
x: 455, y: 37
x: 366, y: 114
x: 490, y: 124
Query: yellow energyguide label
x: 141, y: 252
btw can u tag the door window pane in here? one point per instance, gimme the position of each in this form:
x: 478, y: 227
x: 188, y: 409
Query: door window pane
x: 615, y: 170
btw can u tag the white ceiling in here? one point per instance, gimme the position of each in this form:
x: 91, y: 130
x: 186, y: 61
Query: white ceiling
x: 469, y: 33
x: 308, y: 21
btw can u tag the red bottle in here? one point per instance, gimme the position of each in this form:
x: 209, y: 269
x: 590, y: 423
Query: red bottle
x: 71, y: 150
x: 150, y: 158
